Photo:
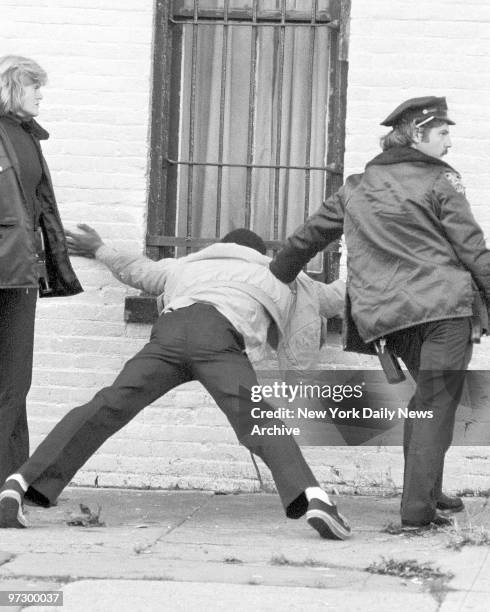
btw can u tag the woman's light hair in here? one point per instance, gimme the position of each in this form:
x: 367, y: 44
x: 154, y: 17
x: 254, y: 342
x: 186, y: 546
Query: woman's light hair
x: 16, y: 72
x: 404, y: 132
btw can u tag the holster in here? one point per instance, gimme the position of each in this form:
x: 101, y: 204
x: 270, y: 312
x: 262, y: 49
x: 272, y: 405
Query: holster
x: 389, y: 362
x: 42, y: 273
x: 479, y: 317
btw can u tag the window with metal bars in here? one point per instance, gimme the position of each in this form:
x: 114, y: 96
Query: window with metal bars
x: 248, y: 118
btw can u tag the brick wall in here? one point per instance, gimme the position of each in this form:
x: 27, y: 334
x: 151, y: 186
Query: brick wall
x: 96, y: 107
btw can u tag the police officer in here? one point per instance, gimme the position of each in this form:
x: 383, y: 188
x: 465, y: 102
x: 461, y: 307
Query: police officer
x: 416, y: 255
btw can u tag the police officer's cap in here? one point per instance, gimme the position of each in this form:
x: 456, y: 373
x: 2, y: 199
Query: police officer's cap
x: 423, y: 110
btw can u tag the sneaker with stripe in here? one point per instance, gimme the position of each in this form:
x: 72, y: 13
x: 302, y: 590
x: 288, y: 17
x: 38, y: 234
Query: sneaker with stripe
x: 11, y: 510
x: 325, y: 518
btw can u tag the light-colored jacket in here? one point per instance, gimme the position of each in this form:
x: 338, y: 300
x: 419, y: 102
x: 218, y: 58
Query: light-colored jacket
x: 305, y: 329
x: 300, y: 320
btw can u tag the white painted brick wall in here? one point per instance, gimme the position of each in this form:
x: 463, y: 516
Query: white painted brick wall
x: 96, y: 107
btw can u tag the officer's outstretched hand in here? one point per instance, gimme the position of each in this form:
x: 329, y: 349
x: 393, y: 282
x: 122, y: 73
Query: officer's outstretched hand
x: 84, y: 244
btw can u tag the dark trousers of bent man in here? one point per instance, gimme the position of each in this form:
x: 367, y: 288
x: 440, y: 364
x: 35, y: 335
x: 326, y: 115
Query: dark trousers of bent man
x: 192, y: 343
x: 17, y: 311
x: 437, y: 355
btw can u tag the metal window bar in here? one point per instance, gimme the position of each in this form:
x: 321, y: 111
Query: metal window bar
x: 280, y: 84
x: 193, y: 243
x: 245, y: 16
x: 192, y: 115
x: 333, y: 168
x: 224, y: 59
x: 251, y: 114
x: 311, y: 58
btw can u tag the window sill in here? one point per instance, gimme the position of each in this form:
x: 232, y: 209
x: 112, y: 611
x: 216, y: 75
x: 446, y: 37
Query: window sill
x: 140, y: 309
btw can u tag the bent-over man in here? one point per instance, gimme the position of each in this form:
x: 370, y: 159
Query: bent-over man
x: 220, y: 303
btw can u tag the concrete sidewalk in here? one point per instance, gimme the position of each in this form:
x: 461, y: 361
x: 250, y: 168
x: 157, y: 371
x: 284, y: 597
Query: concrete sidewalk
x: 176, y: 550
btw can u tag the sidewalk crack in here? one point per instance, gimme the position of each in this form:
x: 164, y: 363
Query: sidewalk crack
x: 6, y: 557
x: 171, y: 529
x: 470, y: 590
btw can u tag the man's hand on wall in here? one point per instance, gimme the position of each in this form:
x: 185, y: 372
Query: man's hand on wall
x: 83, y: 244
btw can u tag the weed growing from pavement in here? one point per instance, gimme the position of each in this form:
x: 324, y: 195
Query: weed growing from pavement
x: 458, y: 537
x: 472, y: 536
x: 282, y: 560
x: 392, y: 529
x: 408, y: 568
x: 473, y: 493
x: 432, y: 578
x: 86, y: 517
x: 397, y: 529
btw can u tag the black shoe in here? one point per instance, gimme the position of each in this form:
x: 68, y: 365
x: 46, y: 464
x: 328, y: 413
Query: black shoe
x: 439, y: 520
x: 327, y: 521
x: 11, y: 514
x: 453, y: 504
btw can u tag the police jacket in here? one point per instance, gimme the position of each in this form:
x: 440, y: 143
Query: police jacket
x: 413, y: 245
x: 18, y: 255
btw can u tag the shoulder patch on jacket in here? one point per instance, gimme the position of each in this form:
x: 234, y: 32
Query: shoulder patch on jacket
x: 455, y: 179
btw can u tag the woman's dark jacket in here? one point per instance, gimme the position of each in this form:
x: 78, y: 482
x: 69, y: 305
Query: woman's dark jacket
x: 18, y: 257
x: 413, y: 245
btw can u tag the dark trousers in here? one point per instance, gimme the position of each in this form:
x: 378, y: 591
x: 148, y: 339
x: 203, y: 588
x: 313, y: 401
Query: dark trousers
x: 17, y: 312
x: 437, y: 355
x: 193, y: 343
